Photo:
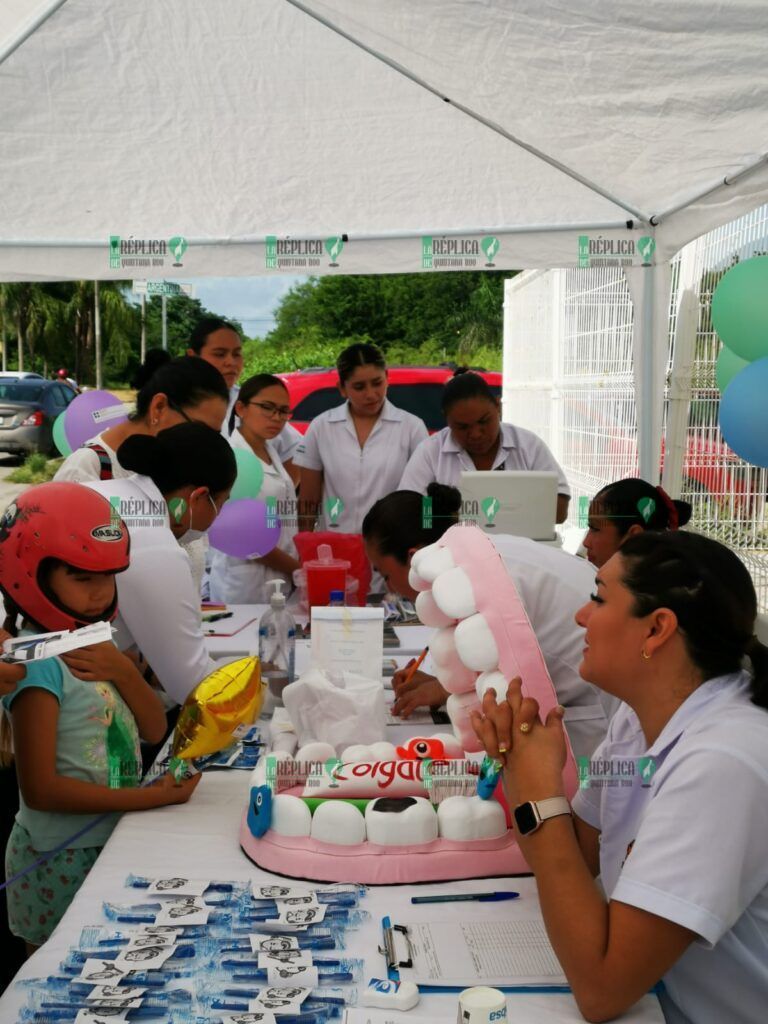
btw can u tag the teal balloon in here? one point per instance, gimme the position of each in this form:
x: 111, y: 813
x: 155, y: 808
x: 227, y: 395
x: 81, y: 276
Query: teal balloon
x: 740, y: 309
x: 727, y: 366
x: 744, y: 413
x: 59, y: 437
x: 250, y: 475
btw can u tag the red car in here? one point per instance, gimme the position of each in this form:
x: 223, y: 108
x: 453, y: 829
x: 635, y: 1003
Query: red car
x: 417, y: 389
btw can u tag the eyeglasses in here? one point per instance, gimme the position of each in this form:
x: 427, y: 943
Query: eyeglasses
x: 275, y: 412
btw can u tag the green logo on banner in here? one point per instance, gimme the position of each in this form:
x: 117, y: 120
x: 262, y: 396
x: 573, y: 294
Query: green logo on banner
x: 333, y: 247
x: 178, y: 246
x: 177, y: 507
x: 583, y: 250
x: 426, y: 252
x: 583, y: 511
x: 114, y: 252
x: 646, y: 246
x: 270, y: 253
x: 646, y: 507
x: 646, y: 768
x: 490, y: 507
x: 490, y: 246
x: 426, y: 513
x: 333, y: 509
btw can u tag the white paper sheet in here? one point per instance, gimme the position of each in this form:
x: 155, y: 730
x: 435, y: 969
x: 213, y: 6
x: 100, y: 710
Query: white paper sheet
x: 348, y: 640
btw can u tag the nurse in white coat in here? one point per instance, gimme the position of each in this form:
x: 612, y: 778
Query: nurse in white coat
x: 476, y: 439
x: 673, y: 813
x: 355, y: 453
x: 262, y: 409
x: 180, y: 480
x: 552, y: 586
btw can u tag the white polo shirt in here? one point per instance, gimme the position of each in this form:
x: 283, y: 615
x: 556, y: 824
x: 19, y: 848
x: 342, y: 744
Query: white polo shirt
x: 286, y: 442
x: 692, y: 846
x: 158, y: 605
x: 442, y: 460
x: 553, y: 585
x: 354, y: 478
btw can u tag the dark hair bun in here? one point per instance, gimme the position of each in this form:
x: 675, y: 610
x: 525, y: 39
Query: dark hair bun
x: 155, y: 358
x: 684, y: 512
x: 446, y: 500
x: 140, y: 453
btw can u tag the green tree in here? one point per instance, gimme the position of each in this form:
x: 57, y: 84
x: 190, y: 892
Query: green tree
x: 183, y: 314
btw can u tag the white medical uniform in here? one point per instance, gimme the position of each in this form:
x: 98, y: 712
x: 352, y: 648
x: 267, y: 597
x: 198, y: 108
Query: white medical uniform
x: 244, y: 580
x: 692, y: 845
x: 158, y: 605
x: 442, y: 460
x: 354, y: 478
x: 553, y: 585
x: 286, y: 442
x: 83, y: 465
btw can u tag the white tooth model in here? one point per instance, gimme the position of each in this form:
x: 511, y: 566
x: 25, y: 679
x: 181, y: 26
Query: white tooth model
x: 414, y: 813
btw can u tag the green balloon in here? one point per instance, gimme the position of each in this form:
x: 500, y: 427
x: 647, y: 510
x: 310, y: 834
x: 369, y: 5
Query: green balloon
x: 59, y: 437
x: 250, y: 475
x: 740, y: 309
x: 727, y: 366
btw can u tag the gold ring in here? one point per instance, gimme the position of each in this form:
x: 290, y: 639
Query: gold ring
x: 525, y: 727
x: 503, y: 748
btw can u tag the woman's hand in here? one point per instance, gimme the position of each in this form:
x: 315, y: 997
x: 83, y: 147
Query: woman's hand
x: 422, y: 691
x: 533, y: 754
x: 98, y: 663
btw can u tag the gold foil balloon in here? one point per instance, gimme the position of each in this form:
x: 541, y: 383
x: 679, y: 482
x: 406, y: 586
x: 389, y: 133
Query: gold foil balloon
x: 229, y: 697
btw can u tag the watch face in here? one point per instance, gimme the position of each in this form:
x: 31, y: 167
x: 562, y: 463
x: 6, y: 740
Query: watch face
x: 525, y: 818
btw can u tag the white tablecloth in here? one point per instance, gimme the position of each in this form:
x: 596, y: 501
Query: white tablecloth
x: 199, y: 839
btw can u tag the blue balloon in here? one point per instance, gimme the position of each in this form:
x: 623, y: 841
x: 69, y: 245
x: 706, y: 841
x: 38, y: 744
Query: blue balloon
x: 744, y: 413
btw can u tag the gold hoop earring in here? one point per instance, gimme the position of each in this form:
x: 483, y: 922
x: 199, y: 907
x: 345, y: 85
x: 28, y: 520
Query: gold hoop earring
x: 645, y: 655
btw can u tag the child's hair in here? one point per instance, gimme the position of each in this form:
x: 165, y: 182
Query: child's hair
x: 463, y: 385
x: 189, y: 454
x: 185, y: 382
x: 359, y: 354
x: 401, y: 521
x: 635, y: 502
x: 206, y: 327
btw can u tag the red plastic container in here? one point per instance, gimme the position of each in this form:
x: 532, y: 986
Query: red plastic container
x: 324, y: 574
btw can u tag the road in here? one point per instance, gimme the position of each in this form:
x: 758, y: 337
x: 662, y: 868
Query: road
x: 8, y: 491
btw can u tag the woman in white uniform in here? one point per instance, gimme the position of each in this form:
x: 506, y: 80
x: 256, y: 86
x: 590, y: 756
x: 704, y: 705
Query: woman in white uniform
x: 552, y: 586
x: 180, y: 480
x: 355, y: 453
x: 262, y: 409
x: 476, y: 439
x: 674, y: 815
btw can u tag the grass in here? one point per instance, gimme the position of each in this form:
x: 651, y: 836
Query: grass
x: 37, y: 468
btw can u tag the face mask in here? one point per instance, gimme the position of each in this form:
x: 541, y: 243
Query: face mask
x: 193, y: 535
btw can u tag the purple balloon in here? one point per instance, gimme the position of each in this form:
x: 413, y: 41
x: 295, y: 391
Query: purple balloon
x: 243, y: 529
x: 91, y: 413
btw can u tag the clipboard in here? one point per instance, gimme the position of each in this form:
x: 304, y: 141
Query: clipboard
x: 398, y: 951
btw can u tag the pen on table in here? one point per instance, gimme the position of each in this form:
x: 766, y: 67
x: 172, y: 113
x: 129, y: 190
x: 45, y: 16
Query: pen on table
x: 219, y: 615
x: 462, y: 897
x: 415, y: 666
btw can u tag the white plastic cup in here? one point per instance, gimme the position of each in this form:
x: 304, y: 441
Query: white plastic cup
x: 482, y: 1005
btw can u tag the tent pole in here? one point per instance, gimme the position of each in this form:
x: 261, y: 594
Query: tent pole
x: 678, y: 408
x: 164, y: 308
x: 711, y: 189
x: 143, y: 328
x: 97, y: 332
x: 486, y: 122
x: 29, y: 29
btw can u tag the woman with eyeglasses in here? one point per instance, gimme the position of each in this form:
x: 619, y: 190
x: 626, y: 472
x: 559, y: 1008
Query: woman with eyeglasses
x: 180, y: 390
x: 263, y: 409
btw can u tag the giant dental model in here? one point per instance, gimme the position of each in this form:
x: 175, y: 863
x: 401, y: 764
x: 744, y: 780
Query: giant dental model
x: 369, y: 815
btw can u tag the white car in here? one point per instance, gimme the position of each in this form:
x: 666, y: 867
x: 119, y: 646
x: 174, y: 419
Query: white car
x: 16, y: 375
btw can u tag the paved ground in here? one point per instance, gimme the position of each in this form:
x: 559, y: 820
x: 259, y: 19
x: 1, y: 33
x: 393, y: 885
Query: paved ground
x: 8, y: 491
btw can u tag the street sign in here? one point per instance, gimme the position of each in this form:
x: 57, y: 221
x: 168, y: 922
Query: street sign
x: 168, y: 288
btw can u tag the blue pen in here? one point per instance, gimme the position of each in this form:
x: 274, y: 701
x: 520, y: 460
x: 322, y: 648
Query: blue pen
x: 467, y: 897
x: 139, y: 882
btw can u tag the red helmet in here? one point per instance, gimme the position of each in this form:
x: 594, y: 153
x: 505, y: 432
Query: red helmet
x: 67, y: 522
x: 61, y: 373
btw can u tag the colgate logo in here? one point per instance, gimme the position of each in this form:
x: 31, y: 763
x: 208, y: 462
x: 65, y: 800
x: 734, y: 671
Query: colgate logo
x: 385, y: 772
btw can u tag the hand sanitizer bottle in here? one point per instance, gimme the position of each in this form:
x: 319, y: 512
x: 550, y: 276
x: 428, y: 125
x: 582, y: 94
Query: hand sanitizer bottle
x: 277, y: 643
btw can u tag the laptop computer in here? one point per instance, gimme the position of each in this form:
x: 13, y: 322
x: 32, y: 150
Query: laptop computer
x: 519, y: 502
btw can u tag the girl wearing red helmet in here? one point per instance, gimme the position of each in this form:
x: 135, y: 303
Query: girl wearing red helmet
x: 76, y: 719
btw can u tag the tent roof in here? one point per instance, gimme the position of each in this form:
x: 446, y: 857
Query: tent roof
x: 230, y: 123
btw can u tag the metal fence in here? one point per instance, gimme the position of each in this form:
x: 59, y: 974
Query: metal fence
x: 568, y: 376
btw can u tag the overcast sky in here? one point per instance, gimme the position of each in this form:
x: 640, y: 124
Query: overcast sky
x: 251, y: 300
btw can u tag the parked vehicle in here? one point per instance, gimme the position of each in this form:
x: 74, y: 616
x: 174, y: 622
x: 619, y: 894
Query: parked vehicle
x: 19, y: 375
x: 417, y: 389
x: 28, y: 408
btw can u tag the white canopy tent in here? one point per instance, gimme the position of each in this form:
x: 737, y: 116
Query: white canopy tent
x: 162, y: 138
